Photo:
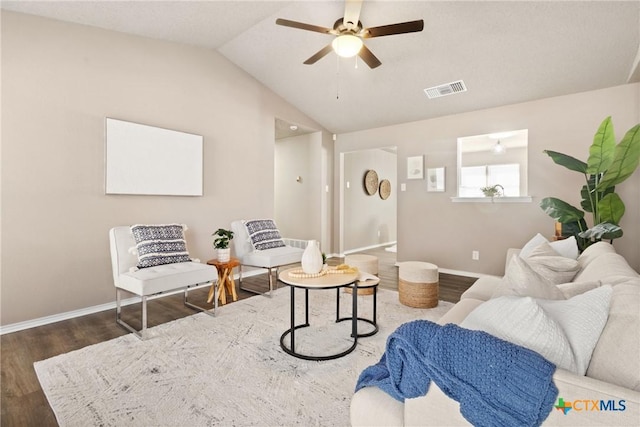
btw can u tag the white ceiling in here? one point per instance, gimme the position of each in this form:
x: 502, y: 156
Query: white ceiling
x: 505, y: 52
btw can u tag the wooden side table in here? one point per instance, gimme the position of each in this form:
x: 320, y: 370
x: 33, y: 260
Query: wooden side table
x: 226, y: 282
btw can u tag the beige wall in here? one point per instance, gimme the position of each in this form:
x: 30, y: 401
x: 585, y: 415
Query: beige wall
x: 369, y: 220
x: 432, y: 228
x: 59, y: 82
x: 297, y: 205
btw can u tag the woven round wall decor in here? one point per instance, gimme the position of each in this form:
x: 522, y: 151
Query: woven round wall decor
x: 371, y: 182
x: 385, y: 189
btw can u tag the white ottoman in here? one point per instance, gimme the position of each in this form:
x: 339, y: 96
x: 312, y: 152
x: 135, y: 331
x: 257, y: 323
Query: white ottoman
x: 366, y: 264
x: 418, y: 284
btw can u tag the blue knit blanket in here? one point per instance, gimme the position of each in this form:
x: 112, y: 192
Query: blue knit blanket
x: 497, y: 383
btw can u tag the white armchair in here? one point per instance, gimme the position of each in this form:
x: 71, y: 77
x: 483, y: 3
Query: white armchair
x: 155, y: 280
x: 266, y: 258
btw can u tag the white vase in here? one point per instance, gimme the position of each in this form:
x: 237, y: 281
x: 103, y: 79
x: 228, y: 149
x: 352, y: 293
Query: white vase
x: 312, y: 258
x: 224, y: 255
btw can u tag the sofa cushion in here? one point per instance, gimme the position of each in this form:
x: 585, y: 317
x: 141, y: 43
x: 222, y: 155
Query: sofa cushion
x: 616, y: 356
x: 160, y: 244
x: 483, y: 288
x: 264, y: 234
x: 565, y: 332
x: 593, y: 251
x: 606, y: 267
x: 460, y: 311
x: 371, y: 406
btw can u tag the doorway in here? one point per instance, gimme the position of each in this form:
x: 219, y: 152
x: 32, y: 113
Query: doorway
x: 367, y: 220
x: 299, y: 173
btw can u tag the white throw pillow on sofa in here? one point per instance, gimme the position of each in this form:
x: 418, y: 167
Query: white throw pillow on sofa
x: 535, y: 241
x: 538, y: 274
x: 547, y: 262
x: 521, y: 279
x: 564, y: 331
x: 571, y: 289
x: 567, y: 248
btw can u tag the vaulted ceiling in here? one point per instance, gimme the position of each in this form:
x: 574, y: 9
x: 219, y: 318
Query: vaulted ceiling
x: 506, y: 52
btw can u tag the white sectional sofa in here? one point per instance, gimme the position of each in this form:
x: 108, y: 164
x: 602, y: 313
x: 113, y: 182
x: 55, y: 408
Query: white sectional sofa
x: 609, y: 393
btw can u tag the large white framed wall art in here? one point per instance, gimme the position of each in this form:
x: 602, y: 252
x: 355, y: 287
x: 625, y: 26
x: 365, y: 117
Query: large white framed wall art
x: 143, y: 159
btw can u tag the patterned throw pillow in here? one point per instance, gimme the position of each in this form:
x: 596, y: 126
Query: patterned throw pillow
x: 264, y: 234
x: 160, y: 244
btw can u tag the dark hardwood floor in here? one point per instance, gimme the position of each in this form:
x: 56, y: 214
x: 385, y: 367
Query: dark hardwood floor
x: 23, y: 402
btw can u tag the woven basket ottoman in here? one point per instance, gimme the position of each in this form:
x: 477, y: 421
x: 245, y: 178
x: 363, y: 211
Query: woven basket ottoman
x: 418, y: 284
x: 365, y: 263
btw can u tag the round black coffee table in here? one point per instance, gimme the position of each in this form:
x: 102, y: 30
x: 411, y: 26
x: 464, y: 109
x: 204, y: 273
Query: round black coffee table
x: 327, y: 281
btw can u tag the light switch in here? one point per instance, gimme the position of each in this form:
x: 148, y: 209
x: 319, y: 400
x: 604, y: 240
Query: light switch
x: 403, y: 187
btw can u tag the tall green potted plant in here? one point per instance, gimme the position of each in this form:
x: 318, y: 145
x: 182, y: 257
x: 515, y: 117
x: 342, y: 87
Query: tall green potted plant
x: 607, y: 166
x: 221, y: 244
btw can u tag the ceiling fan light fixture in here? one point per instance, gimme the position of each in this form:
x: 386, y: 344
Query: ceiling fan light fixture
x: 347, y: 45
x: 498, y: 148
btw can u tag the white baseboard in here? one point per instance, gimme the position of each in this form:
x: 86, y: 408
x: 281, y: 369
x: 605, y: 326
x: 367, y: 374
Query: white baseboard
x: 365, y: 248
x: 457, y: 272
x: 27, y: 324
x: 463, y: 273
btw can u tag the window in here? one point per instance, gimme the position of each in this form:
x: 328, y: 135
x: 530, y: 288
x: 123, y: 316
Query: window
x: 473, y: 178
x: 493, y: 159
x: 506, y: 175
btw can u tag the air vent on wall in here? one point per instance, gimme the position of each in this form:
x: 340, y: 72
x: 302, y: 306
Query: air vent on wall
x: 445, y: 89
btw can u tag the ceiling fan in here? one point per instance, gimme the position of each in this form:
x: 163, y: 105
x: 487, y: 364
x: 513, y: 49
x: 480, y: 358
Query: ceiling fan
x: 349, y: 33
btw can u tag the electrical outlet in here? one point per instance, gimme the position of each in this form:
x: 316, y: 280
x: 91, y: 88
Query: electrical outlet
x: 378, y: 233
x: 475, y: 255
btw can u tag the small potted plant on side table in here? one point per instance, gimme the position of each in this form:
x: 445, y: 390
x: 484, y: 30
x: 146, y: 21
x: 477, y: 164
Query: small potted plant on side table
x: 221, y: 244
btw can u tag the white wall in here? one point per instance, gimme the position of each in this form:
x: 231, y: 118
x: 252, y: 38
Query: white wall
x: 59, y: 82
x: 368, y: 219
x: 432, y: 228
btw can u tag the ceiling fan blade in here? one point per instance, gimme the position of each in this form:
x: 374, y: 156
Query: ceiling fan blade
x: 321, y: 53
x: 368, y: 57
x: 352, y: 13
x: 303, y: 26
x: 389, y: 30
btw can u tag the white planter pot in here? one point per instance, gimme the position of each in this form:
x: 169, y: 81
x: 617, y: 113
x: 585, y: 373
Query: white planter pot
x: 224, y: 255
x: 312, y: 258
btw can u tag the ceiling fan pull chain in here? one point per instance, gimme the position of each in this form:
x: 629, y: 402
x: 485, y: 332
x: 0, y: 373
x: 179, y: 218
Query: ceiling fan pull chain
x: 337, y: 77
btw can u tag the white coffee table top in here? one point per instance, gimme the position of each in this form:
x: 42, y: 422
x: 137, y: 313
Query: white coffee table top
x: 322, y: 282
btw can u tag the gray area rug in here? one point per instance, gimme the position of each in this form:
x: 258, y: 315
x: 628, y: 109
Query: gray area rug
x: 225, y: 370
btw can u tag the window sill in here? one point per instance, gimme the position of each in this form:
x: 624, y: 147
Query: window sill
x: 523, y: 199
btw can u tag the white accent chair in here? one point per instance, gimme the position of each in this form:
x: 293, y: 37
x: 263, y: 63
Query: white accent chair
x: 146, y: 282
x: 267, y: 259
